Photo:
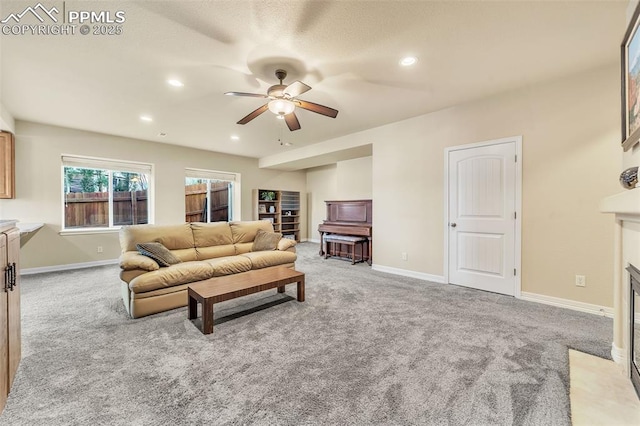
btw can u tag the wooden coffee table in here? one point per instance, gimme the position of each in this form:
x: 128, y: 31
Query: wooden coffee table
x: 219, y: 289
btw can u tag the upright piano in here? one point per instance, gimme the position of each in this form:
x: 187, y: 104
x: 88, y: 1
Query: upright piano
x: 351, y: 217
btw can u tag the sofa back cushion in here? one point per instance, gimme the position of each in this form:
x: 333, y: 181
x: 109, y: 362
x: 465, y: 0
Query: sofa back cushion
x: 177, y: 238
x: 212, y: 240
x: 211, y: 234
x: 244, y: 233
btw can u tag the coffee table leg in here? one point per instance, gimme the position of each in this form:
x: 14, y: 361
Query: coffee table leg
x: 301, y: 290
x: 281, y: 289
x: 193, y: 307
x: 207, y: 316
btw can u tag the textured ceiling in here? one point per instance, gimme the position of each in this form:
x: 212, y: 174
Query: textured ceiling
x: 348, y: 51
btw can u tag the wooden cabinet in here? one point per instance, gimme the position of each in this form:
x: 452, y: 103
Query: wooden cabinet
x: 280, y: 207
x: 7, y: 161
x: 10, y: 330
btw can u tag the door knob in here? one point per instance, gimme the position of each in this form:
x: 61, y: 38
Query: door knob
x: 453, y: 225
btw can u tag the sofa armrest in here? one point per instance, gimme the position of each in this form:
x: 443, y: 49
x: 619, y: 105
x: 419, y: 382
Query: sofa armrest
x: 285, y: 244
x: 131, y: 260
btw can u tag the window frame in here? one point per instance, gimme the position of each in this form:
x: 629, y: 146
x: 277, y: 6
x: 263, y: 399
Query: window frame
x: 233, y: 177
x: 109, y: 165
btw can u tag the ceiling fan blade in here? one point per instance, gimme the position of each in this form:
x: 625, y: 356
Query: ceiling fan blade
x: 292, y: 121
x: 254, y: 114
x: 296, y: 88
x: 320, y: 109
x: 253, y: 95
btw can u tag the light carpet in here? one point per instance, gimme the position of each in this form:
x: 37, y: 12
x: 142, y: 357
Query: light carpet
x: 364, y: 348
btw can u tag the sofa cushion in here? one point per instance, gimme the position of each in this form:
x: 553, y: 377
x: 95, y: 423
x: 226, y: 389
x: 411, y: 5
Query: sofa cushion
x: 229, y: 265
x: 245, y: 232
x: 173, y: 237
x: 265, y: 259
x: 132, y: 260
x: 286, y: 244
x: 186, y: 255
x: 243, y: 247
x: 211, y: 234
x: 180, y: 273
x: 205, y: 253
x: 265, y: 240
x: 127, y: 276
x: 158, y: 252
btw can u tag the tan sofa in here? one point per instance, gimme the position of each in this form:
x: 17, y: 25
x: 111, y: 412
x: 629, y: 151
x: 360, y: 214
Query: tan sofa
x: 206, y: 250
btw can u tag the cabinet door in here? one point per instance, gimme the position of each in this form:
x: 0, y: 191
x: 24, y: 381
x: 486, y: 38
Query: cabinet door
x: 13, y: 303
x: 4, y: 341
x: 7, y: 161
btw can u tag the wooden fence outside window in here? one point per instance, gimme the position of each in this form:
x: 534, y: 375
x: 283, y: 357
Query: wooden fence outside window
x: 91, y: 209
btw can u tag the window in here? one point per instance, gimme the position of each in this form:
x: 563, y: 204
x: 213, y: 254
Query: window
x: 104, y: 194
x: 210, y: 196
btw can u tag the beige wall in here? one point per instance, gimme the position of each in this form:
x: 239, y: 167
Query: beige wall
x: 322, y: 184
x: 354, y: 179
x: 38, y: 186
x: 345, y: 180
x: 7, y: 122
x: 571, y: 161
x: 571, y: 150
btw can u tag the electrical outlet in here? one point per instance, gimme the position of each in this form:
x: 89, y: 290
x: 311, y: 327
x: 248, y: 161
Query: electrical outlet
x: 581, y: 281
x: 404, y: 256
x: 100, y: 249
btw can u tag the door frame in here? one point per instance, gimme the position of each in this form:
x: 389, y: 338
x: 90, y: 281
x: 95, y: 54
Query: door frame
x: 517, y: 140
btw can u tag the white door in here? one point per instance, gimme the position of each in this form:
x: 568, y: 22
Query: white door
x: 481, y: 223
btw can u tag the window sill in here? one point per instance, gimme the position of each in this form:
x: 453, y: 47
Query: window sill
x: 88, y: 231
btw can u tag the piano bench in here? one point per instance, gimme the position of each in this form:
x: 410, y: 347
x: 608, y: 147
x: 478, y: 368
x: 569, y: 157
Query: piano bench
x: 348, y: 240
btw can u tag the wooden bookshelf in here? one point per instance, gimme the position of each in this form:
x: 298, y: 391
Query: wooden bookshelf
x: 280, y: 207
x: 290, y: 218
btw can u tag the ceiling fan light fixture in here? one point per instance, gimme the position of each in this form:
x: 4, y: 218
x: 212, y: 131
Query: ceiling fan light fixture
x: 408, y: 61
x: 281, y: 107
x: 283, y: 101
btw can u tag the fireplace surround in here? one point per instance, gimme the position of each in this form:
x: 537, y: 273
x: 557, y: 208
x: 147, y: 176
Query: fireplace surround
x: 626, y: 208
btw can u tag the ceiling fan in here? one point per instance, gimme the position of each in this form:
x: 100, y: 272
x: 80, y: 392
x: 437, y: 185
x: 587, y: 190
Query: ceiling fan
x: 283, y: 102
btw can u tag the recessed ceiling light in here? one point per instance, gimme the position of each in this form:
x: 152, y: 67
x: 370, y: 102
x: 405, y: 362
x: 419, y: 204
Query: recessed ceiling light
x: 235, y: 137
x: 175, y: 83
x: 288, y: 144
x: 408, y: 61
x: 146, y: 118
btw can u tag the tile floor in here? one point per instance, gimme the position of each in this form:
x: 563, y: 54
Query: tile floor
x: 600, y: 393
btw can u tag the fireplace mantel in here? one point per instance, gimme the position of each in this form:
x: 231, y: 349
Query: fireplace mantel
x: 624, y: 203
x: 626, y: 208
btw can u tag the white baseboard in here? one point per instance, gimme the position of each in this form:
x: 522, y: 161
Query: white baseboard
x: 568, y: 304
x: 312, y: 240
x: 67, y: 267
x: 408, y: 273
x: 618, y: 355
